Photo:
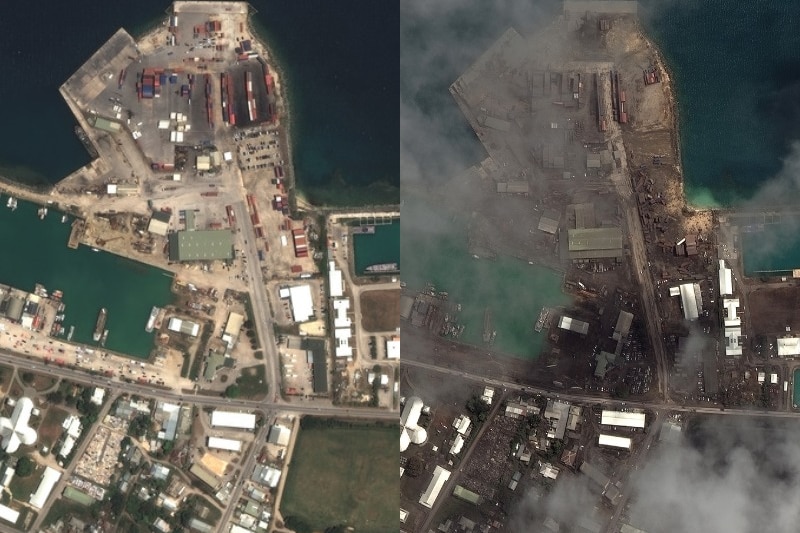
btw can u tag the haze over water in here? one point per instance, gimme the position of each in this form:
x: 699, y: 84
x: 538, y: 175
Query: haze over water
x: 736, y: 70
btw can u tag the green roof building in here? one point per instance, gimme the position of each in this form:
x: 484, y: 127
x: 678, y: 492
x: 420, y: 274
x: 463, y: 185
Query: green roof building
x: 467, y: 495
x: 595, y: 243
x: 106, y: 125
x: 205, y: 245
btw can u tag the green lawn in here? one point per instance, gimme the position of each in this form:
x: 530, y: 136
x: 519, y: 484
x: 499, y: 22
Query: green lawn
x: 22, y: 487
x: 252, y: 382
x: 342, y: 475
x: 64, y: 507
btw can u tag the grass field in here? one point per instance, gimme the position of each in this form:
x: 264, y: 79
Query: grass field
x: 252, y: 383
x: 380, y: 310
x: 343, y: 476
x: 22, y: 487
x: 50, y: 428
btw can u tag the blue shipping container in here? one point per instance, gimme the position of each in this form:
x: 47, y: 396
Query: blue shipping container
x: 163, y: 79
x: 173, y: 79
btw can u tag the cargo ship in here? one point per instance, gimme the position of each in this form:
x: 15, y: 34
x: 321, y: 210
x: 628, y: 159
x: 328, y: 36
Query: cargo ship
x: 101, y: 324
x: 85, y: 141
x: 151, y: 322
x: 71, y: 333
x: 382, y: 268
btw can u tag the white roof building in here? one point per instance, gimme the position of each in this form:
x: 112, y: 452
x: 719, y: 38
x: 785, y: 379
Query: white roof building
x: 725, y: 280
x: 219, y: 443
x: 462, y: 424
x: 341, y: 320
x: 49, y: 480
x: 691, y: 300
x: 616, y: 442
x: 569, y: 323
x: 488, y: 395
x: 622, y: 418
x: 302, y: 303
x: 279, y: 435
x: 732, y: 341
x: 440, y: 477
x: 549, y: 471
x: 98, y: 395
x: 231, y: 419
x: 72, y: 425
x: 458, y: 443
x: 66, y: 447
x: 183, y: 326
x: 335, y: 280
x: 15, y: 430
x: 9, y: 514
x: 393, y: 348
x: 342, y: 345
x: 409, y: 420
x: 788, y: 346
x: 731, y: 319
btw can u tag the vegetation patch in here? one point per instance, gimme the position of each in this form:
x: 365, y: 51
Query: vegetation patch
x: 380, y: 310
x: 341, y: 475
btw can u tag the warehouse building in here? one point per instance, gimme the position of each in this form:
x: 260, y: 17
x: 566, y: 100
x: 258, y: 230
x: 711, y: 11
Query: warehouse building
x: 302, y: 303
x: 590, y: 244
x: 615, y: 442
x: 733, y: 346
x: 731, y: 319
x: 549, y: 221
x: 315, y: 351
x: 604, y: 360
x: 104, y: 124
x: 279, y: 435
x: 623, y: 419
x: 393, y: 347
x: 691, y: 299
x: 570, y: 324
x: 335, y: 280
x: 411, y: 431
x: 230, y: 445
x: 49, y: 480
x: 159, y: 223
x: 725, y: 279
x: 183, y: 326
x: 201, y: 245
x: 440, y: 477
x: 789, y: 347
x: 231, y: 419
x: 9, y: 514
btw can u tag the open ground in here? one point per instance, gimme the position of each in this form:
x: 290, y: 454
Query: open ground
x: 380, y: 310
x: 343, y: 475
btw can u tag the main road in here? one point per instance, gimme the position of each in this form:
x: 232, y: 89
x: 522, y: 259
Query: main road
x: 259, y: 298
x: 588, y: 398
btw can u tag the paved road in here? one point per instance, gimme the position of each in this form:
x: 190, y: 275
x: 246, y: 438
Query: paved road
x: 67, y: 474
x: 456, y: 473
x: 640, y: 266
x: 260, y: 301
x: 148, y: 391
x: 244, y: 475
x: 634, y: 463
x: 606, y: 402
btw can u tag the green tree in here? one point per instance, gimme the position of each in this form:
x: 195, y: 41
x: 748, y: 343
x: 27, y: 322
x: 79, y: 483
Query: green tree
x: 27, y: 378
x: 233, y: 391
x: 55, y: 397
x: 25, y: 467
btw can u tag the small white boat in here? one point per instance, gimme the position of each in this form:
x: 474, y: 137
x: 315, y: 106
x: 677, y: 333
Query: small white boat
x: 64, y: 219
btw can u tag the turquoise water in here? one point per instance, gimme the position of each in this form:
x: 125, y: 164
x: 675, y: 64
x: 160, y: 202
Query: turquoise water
x: 513, y: 290
x: 383, y: 246
x: 737, y: 77
x: 36, y: 252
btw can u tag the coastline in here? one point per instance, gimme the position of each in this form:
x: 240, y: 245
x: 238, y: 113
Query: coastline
x: 296, y: 198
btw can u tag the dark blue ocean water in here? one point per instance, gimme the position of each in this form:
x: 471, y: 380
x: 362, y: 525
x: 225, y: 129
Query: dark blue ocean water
x: 340, y: 60
x: 736, y: 68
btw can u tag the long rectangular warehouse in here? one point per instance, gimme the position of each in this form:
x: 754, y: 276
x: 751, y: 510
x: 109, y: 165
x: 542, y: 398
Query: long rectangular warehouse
x: 225, y: 444
x: 617, y: 442
x: 230, y: 419
x: 624, y: 419
x: 49, y: 480
x: 440, y: 477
